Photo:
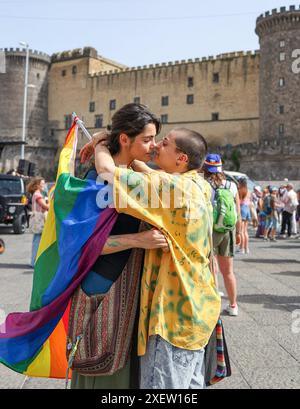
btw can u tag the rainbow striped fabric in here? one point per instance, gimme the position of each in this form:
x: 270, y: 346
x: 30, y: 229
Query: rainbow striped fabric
x: 34, y: 343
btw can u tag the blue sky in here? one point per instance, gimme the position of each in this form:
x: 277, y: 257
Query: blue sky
x: 134, y: 32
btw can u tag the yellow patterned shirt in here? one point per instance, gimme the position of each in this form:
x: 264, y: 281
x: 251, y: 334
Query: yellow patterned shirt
x: 179, y: 300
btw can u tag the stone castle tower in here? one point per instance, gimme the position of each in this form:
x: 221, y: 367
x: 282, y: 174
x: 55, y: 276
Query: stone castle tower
x: 279, y: 96
x: 12, y: 72
x: 276, y: 154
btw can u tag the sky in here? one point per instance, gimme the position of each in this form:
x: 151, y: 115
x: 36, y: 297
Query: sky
x: 134, y: 32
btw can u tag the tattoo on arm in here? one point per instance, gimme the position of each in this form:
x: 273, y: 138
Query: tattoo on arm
x: 117, y: 241
x: 113, y: 243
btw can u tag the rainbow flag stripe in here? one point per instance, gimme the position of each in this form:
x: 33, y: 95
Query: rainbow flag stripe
x: 34, y: 343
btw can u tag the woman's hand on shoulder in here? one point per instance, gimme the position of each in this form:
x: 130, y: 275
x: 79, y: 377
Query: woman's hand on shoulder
x: 87, y: 151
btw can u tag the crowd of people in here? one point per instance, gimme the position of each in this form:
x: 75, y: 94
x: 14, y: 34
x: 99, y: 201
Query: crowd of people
x: 276, y: 211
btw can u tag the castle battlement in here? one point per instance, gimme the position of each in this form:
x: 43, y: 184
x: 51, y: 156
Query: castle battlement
x: 224, y: 56
x: 276, y: 12
x: 21, y: 52
x: 282, y: 18
x: 86, y: 52
x: 73, y: 54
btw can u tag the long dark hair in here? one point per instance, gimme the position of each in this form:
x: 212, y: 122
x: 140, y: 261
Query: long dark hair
x: 131, y: 119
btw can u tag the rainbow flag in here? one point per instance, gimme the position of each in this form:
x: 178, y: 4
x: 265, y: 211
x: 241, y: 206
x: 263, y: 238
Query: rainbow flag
x: 34, y: 343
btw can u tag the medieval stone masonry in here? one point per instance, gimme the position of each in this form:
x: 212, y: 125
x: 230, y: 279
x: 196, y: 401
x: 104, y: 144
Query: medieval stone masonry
x: 246, y: 104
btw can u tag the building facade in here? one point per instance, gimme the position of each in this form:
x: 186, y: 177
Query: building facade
x: 215, y: 96
x: 244, y: 103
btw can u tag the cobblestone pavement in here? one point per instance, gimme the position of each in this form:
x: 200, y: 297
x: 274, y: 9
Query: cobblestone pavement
x: 263, y: 341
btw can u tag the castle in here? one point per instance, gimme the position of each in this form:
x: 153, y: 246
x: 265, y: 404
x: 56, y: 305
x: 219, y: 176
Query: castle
x: 246, y: 104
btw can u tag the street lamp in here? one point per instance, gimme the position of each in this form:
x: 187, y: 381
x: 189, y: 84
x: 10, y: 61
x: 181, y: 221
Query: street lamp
x: 25, y: 99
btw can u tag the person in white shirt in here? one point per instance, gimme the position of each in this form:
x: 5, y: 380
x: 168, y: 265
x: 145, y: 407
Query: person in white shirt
x: 290, y: 201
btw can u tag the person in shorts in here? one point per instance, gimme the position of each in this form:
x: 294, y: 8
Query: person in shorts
x: 272, y: 220
x: 224, y: 243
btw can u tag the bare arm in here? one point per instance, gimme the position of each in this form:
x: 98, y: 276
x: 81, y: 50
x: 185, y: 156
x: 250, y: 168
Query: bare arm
x: 238, y: 212
x: 43, y: 204
x: 150, y: 239
x: 238, y: 225
x: 104, y: 163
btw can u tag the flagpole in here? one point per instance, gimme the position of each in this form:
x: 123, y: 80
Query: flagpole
x: 80, y: 123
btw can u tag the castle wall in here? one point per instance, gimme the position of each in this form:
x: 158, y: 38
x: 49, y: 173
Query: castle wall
x: 234, y: 97
x: 270, y: 160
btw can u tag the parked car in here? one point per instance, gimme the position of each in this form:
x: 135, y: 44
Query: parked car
x: 236, y: 176
x: 13, y: 203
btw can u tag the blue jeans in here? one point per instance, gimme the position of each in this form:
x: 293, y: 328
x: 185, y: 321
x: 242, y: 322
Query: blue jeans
x: 35, y: 246
x: 165, y: 366
x: 271, y: 222
x: 245, y: 212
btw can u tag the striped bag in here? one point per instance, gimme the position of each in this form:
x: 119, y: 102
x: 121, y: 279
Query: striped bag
x: 101, y: 326
x: 217, y: 363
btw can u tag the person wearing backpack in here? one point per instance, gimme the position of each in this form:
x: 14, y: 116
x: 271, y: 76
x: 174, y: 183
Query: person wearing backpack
x: 226, y: 229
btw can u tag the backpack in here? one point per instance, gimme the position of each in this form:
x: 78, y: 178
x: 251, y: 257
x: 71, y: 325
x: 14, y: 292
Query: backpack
x: 267, y: 205
x: 224, y: 210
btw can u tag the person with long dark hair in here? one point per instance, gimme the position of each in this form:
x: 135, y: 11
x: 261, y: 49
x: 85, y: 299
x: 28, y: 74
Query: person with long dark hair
x: 131, y: 136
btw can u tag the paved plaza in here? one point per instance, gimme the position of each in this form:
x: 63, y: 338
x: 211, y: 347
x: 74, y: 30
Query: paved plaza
x: 263, y: 341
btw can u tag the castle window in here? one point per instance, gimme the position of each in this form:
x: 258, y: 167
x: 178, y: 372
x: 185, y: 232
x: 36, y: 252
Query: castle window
x: 52, y: 132
x: 190, y: 99
x: 68, y: 121
x: 281, y: 82
x: 137, y: 100
x: 190, y: 82
x: 164, y: 101
x: 112, y: 104
x: 282, y: 57
x: 281, y: 109
x: 215, y: 116
x: 92, y: 106
x: 281, y: 129
x: 74, y: 70
x: 164, y: 119
x: 98, y: 121
x: 38, y: 75
x: 63, y: 73
x: 216, y: 77
x: 282, y: 43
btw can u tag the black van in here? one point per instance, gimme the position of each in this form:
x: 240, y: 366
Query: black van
x: 13, y: 203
